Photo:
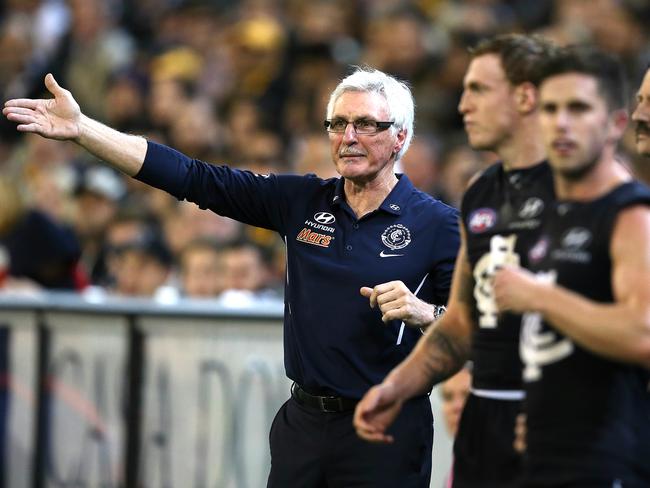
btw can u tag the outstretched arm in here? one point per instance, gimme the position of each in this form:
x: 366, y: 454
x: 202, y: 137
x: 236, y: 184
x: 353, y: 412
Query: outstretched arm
x: 439, y: 354
x: 61, y: 118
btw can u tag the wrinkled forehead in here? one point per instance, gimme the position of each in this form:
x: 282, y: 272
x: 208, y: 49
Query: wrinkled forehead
x: 354, y: 104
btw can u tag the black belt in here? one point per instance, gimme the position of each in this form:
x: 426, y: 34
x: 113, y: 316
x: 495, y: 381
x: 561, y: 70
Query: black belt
x: 323, y: 403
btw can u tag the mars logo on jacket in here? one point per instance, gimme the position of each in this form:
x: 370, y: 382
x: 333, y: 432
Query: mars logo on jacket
x: 311, y: 237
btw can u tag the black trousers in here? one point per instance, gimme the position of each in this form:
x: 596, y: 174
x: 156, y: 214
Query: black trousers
x: 483, y: 452
x: 314, y: 449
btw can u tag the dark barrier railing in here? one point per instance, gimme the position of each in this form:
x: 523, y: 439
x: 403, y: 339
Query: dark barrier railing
x: 129, y: 393
x: 132, y: 393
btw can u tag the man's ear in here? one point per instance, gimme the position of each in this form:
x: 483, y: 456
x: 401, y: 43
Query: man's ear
x: 526, y: 97
x: 399, y: 141
x: 617, y: 124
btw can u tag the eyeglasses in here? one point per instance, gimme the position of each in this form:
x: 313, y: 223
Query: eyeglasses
x: 361, y: 126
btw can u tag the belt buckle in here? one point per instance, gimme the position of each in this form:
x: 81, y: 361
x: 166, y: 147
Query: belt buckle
x: 324, y: 401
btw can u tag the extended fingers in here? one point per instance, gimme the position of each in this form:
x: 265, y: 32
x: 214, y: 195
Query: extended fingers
x: 29, y: 127
x: 27, y: 121
x: 27, y: 118
x: 18, y: 110
x: 21, y: 102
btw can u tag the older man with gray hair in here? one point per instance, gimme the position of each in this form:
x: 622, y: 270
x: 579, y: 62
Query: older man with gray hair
x: 369, y: 226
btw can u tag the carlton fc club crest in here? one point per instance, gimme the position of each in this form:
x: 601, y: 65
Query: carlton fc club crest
x: 396, y: 237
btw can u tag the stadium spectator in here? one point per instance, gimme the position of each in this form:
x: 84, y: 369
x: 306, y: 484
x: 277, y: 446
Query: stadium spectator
x: 201, y: 269
x: 38, y: 248
x: 141, y: 266
x: 244, y: 267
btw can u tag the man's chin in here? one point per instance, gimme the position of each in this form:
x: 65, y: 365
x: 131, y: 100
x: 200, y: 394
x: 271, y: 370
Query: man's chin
x: 480, y: 145
x: 349, y: 165
x: 643, y: 148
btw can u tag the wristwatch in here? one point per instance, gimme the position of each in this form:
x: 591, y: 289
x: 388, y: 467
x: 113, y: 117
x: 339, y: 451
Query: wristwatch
x: 438, y: 311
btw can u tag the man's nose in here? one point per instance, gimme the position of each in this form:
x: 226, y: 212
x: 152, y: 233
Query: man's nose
x: 350, y: 133
x: 463, y: 104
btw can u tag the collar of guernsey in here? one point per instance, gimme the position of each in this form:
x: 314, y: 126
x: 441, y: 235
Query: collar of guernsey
x: 394, y: 203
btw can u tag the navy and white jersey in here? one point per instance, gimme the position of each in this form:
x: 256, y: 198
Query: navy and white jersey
x: 502, y: 216
x: 333, y: 341
x: 588, y: 416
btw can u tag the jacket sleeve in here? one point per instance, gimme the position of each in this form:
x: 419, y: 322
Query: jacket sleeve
x: 260, y: 200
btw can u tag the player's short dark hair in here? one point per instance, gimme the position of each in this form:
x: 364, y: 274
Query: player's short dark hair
x: 589, y: 60
x: 522, y: 56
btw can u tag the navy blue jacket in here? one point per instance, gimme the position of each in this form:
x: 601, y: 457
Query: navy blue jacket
x: 333, y: 340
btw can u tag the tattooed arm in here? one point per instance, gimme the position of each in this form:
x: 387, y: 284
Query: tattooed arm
x: 438, y: 355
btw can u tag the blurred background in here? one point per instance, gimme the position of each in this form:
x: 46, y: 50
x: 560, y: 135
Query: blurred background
x: 243, y: 83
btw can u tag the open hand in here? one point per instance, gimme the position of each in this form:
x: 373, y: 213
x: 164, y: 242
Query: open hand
x: 54, y: 118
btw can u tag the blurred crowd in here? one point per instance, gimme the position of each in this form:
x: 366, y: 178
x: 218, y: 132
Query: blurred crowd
x: 243, y: 83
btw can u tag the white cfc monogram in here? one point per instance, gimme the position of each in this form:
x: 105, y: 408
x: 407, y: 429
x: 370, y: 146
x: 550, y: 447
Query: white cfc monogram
x: 539, y: 348
x: 502, y: 252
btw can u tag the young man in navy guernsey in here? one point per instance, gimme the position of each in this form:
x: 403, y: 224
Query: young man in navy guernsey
x: 585, y: 338
x: 367, y: 227
x: 501, y: 215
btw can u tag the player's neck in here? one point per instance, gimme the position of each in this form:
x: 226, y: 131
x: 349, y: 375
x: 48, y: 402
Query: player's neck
x: 606, y: 175
x: 524, y: 148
